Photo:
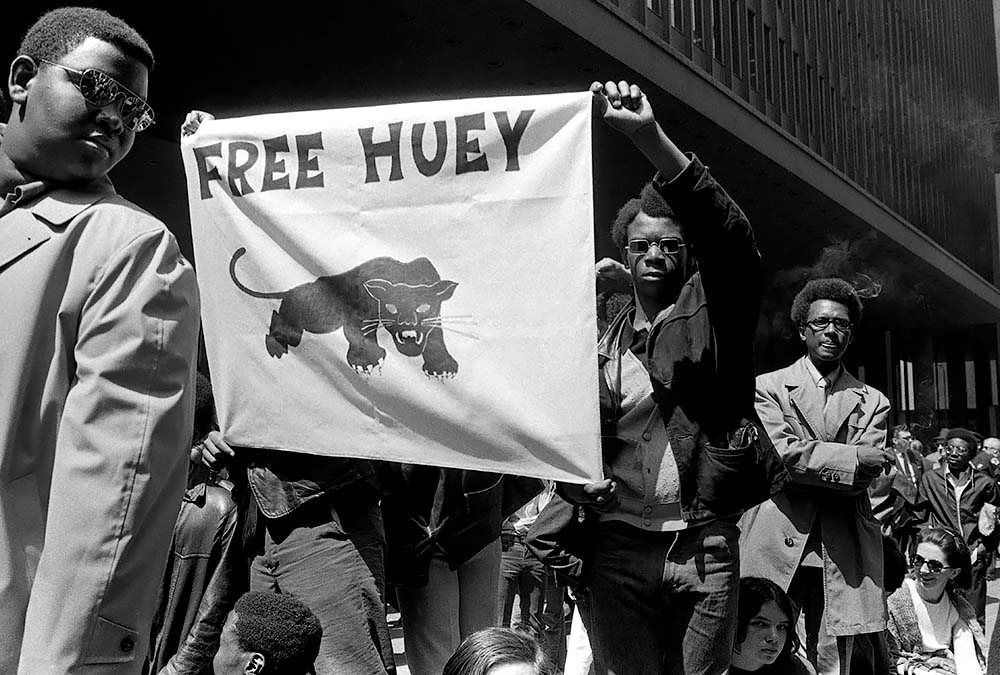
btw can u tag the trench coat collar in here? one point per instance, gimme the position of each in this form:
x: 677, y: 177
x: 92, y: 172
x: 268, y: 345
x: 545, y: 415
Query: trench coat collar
x: 845, y: 394
x: 54, y: 208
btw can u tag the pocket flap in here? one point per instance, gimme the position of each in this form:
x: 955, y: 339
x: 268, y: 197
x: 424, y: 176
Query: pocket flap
x: 111, y: 643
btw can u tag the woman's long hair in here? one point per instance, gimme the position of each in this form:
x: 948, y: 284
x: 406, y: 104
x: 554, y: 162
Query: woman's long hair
x: 956, y: 554
x: 756, y: 592
x: 494, y: 647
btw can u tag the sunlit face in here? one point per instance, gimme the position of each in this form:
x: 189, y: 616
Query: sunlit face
x: 61, y: 137
x: 902, y: 440
x: 932, y: 584
x: 826, y: 344
x: 992, y: 446
x: 655, y: 273
x: 766, y: 636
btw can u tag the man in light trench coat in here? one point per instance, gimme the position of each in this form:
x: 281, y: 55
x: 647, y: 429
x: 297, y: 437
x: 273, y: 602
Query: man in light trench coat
x: 98, y: 336
x: 817, y: 538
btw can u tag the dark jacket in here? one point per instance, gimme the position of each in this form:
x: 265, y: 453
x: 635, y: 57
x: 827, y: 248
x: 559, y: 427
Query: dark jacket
x: 937, y: 507
x: 453, y: 513
x: 701, y: 358
x: 206, y: 573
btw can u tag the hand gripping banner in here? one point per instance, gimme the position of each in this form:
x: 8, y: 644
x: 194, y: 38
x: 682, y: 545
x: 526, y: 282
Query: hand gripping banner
x: 409, y: 282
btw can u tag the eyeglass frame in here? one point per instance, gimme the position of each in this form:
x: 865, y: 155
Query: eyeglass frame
x: 658, y: 243
x: 827, y: 321
x: 123, y: 92
x: 918, y: 561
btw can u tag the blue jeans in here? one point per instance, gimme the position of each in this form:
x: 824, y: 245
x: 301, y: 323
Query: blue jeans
x: 315, y: 553
x: 664, y: 602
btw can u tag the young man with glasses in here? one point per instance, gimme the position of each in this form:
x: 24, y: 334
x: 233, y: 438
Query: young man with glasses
x: 817, y: 538
x: 953, y: 496
x: 680, y: 435
x: 99, y: 335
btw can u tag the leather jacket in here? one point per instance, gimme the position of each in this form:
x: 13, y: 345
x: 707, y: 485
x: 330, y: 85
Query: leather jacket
x: 700, y: 359
x: 206, y: 573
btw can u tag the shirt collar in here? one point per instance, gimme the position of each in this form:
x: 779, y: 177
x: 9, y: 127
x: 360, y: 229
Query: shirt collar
x: 642, y: 322
x: 821, y: 381
x: 964, y: 479
x: 22, y: 194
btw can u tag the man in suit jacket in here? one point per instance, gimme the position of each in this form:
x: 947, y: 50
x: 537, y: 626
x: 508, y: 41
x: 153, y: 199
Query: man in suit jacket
x: 817, y: 538
x: 99, y: 337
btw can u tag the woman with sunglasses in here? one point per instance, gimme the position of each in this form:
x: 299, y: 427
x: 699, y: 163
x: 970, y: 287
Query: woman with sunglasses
x: 766, y: 643
x: 932, y: 628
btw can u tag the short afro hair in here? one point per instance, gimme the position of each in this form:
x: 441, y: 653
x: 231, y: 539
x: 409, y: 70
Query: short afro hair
x: 650, y: 202
x: 281, y: 628
x: 58, y: 32
x: 831, y: 288
x: 965, y: 435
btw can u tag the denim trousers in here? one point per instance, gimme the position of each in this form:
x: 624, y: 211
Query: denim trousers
x: 328, y: 556
x: 664, y: 602
x: 540, y: 599
x: 449, y: 608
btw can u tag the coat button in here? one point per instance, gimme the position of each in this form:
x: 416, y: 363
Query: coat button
x: 647, y: 510
x: 127, y: 644
x: 789, y: 542
x: 647, y: 436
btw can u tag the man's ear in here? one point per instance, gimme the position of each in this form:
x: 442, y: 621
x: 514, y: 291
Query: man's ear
x: 255, y: 664
x: 802, y: 332
x: 22, y: 71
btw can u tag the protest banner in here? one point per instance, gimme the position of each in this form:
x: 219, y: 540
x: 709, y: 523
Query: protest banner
x: 410, y: 282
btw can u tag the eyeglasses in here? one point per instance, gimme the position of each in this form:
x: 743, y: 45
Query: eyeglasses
x: 667, y: 246
x: 821, y: 323
x: 100, y: 89
x: 935, y: 566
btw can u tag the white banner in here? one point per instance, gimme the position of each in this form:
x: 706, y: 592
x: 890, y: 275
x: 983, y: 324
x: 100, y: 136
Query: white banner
x: 408, y: 282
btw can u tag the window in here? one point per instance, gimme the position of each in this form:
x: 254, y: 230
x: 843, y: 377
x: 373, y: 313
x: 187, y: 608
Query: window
x: 941, y: 396
x: 752, y: 49
x: 797, y: 86
x: 810, y: 101
x: 678, y: 14
x: 906, y: 394
x: 768, y: 71
x: 717, y: 49
x: 970, y: 385
x: 783, y: 74
x: 734, y: 37
x: 655, y: 7
x: 697, y: 24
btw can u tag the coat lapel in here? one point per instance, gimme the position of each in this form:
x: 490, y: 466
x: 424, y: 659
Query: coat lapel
x: 847, y: 393
x: 806, y: 400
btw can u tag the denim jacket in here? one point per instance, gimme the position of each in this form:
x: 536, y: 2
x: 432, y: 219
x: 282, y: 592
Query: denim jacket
x: 700, y: 360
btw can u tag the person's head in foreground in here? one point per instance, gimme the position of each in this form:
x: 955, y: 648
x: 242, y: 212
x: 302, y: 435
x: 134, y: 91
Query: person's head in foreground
x: 826, y: 313
x: 77, y: 96
x: 268, y: 634
x: 941, y: 563
x: 499, y: 651
x: 765, y: 629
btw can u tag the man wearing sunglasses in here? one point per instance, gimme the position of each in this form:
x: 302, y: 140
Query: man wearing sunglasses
x: 817, y: 538
x: 953, y: 496
x: 676, y: 386
x: 99, y: 336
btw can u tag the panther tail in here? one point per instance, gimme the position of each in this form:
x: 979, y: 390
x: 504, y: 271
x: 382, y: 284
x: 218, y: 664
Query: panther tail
x: 239, y: 284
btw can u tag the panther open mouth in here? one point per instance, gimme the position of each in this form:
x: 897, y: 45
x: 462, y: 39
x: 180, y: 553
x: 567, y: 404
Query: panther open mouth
x: 412, y: 336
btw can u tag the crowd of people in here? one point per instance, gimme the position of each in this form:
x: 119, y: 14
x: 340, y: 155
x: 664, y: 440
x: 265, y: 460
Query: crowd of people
x: 745, y: 523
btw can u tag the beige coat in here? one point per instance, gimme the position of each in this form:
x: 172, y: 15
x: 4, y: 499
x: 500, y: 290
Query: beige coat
x: 820, y: 452
x: 98, y: 339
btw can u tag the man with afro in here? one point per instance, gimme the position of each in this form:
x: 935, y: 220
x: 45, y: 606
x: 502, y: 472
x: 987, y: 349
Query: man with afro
x: 952, y: 496
x: 268, y: 634
x: 99, y: 340
x: 817, y: 538
x: 681, y: 443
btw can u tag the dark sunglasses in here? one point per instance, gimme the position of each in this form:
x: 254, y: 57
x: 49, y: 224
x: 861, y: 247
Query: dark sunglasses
x: 667, y: 246
x: 100, y: 89
x: 821, y: 323
x: 935, y: 566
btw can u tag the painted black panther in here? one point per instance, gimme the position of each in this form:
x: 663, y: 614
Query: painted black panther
x: 403, y: 298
